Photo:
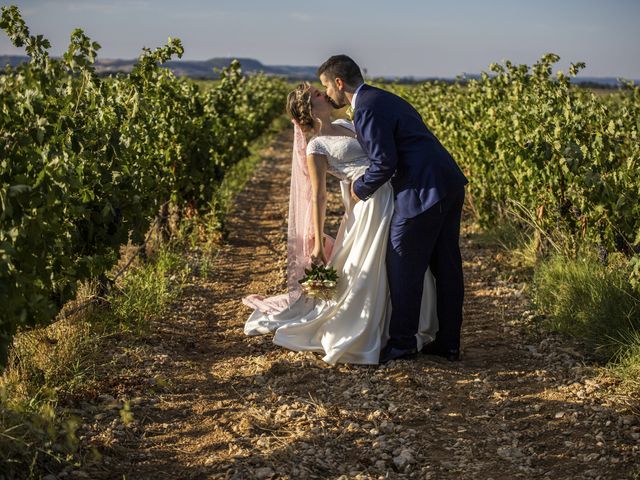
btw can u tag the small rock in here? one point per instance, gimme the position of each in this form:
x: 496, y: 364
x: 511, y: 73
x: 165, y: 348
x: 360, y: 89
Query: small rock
x: 405, y: 458
x: 264, y: 472
x: 381, y: 464
x: 386, y: 426
x: 114, y: 405
x: 510, y: 452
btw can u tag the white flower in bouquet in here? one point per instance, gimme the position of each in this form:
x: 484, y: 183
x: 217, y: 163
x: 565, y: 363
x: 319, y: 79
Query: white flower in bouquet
x: 319, y: 282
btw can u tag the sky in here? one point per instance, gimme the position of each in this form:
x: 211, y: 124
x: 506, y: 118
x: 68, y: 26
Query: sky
x: 391, y: 38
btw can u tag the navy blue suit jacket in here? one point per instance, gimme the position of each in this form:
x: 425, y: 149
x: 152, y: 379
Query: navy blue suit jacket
x: 401, y: 148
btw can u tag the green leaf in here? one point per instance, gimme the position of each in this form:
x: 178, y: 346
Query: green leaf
x: 18, y: 189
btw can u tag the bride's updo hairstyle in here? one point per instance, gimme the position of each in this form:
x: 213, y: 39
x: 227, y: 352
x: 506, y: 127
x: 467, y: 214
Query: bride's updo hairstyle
x: 299, y: 106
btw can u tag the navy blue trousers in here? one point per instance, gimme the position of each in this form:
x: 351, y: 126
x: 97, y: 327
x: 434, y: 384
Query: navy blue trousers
x: 430, y: 239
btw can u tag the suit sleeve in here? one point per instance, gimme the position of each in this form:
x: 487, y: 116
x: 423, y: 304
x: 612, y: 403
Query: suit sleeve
x: 376, y: 136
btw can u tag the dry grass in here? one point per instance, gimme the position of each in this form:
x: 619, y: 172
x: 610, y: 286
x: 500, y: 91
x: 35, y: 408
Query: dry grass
x: 195, y: 398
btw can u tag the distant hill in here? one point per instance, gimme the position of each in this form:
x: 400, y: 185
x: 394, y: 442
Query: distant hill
x: 204, y: 69
x: 591, y: 82
x: 201, y: 69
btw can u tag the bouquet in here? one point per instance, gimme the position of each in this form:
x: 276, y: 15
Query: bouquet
x: 319, y: 282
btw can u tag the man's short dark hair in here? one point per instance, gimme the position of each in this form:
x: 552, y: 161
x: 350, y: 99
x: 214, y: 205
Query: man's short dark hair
x: 342, y: 66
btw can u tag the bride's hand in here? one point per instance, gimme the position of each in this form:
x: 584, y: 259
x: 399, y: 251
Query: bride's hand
x: 318, y: 257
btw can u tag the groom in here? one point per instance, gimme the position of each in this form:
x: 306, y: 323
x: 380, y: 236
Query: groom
x: 428, y: 193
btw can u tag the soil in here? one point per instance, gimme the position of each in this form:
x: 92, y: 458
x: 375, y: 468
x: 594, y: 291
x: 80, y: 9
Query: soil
x: 208, y: 402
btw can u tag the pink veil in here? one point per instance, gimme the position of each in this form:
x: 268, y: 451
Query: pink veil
x: 300, y: 236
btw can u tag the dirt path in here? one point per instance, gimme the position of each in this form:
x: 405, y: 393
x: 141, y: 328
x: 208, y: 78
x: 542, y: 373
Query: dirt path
x: 210, y: 403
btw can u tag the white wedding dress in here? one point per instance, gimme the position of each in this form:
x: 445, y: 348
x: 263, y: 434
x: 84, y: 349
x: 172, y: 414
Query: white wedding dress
x: 353, y: 326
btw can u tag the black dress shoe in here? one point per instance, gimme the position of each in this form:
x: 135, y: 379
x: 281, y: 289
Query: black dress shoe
x: 392, y: 353
x: 433, y: 348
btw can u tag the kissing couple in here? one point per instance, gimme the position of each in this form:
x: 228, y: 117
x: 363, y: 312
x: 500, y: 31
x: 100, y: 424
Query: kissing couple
x: 400, y: 288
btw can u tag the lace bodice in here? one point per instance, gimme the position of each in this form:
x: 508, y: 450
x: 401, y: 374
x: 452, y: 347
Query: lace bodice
x: 345, y: 156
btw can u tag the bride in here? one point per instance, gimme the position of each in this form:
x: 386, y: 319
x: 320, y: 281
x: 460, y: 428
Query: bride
x: 352, y: 327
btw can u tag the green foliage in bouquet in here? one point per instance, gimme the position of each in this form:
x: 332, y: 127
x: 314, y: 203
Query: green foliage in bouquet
x: 319, y: 282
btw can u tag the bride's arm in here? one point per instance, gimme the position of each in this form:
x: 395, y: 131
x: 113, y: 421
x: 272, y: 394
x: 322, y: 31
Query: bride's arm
x: 317, y: 165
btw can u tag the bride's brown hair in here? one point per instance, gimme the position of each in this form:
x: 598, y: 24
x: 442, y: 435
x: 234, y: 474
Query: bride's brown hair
x: 299, y: 106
